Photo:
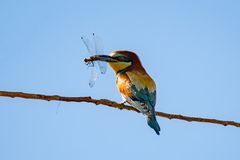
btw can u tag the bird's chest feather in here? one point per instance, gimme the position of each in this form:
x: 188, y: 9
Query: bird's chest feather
x: 124, y: 85
x: 126, y: 81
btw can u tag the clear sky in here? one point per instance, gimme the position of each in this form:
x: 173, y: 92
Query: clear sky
x: 191, y: 49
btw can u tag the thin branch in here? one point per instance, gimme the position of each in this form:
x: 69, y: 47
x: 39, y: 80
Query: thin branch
x: 112, y: 104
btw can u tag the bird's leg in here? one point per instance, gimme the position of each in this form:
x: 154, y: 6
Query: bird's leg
x: 123, y: 102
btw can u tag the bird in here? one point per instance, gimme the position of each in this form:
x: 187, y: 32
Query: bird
x: 134, y: 83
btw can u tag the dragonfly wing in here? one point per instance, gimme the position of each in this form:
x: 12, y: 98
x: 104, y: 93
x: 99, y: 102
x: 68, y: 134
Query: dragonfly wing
x: 93, y: 76
x: 88, y: 45
x: 102, y: 67
x: 98, y: 47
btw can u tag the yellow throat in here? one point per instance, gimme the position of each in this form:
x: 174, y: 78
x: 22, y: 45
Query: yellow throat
x: 119, y: 66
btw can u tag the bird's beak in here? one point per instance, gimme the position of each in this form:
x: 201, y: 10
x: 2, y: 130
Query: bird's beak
x: 104, y: 58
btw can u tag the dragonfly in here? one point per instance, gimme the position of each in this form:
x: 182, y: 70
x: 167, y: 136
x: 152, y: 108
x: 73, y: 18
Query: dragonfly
x: 94, y: 47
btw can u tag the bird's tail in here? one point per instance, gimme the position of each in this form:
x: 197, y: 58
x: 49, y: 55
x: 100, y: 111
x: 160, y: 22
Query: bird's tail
x: 152, y: 122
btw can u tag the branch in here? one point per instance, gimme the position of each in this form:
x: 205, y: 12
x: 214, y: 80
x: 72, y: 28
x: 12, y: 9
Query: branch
x: 114, y: 105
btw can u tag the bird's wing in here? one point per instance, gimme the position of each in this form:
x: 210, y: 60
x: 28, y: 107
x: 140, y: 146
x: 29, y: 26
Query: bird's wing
x: 143, y: 95
x: 139, y: 90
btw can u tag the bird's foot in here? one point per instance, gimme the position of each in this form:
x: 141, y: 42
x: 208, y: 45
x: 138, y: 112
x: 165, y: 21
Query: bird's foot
x: 123, y: 102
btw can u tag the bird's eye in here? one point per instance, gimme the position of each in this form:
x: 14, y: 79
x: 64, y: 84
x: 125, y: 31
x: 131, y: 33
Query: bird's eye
x: 121, y: 58
x: 124, y: 59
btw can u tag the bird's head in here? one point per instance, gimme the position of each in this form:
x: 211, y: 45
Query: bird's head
x: 121, y: 61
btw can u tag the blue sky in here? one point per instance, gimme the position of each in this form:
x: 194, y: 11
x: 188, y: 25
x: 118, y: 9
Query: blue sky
x: 190, y: 48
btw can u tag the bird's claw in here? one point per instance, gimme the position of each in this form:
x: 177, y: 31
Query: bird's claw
x: 123, y: 102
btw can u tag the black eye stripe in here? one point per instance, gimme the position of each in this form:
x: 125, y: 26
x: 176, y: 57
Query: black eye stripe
x: 121, y: 58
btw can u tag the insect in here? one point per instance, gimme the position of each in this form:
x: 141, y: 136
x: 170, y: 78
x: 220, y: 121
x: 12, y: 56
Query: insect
x: 94, y: 48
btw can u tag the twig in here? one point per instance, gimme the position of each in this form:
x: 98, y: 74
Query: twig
x: 114, y: 105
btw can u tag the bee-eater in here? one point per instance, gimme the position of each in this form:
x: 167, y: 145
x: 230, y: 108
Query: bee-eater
x: 135, y: 85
